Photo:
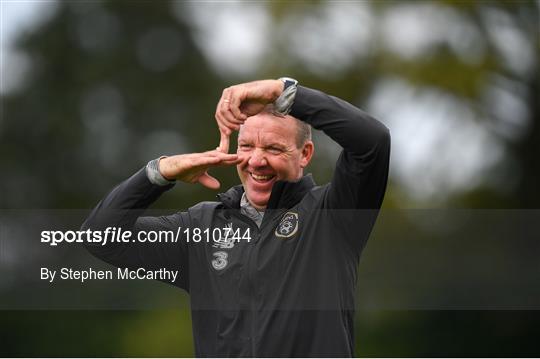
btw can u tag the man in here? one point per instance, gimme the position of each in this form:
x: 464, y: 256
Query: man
x: 289, y: 289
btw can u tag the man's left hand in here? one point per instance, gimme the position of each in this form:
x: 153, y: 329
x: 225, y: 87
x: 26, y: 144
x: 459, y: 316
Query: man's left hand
x: 239, y: 102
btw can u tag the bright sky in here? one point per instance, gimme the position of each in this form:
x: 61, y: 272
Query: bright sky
x: 22, y: 15
x: 16, y: 17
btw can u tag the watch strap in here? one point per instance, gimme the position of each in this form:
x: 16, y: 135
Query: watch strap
x: 283, y: 104
x: 153, y: 174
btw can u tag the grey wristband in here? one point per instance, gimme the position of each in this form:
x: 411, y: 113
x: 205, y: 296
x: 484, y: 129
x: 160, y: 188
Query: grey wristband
x: 153, y: 174
x: 283, y: 104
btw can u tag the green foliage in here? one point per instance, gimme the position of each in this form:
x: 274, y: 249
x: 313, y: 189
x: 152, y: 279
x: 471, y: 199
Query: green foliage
x: 114, y: 84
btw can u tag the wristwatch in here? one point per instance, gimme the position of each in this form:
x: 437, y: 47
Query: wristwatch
x: 283, y: 104
x: 153, y: 174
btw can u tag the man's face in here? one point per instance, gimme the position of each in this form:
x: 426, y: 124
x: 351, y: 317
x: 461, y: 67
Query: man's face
x: 267, y: 147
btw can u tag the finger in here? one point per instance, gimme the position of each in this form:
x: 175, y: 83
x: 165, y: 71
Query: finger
x: 227, y: 160
x: 223, y: 111
x: 208, y: 181
x: 234, y: 107
x: 215, y: 158
x: 230, y: 162
x: 225, y: 125
x: 224, y: 143
x: 226, y: 93
x: 218, y: 109
x: 224, y: 105
x: 242, y: 161
x: 221, y: 155
x: 224, y: 129
x: 228, y: 102
x: 227, y: 115
x: 204, y: 161
x: 227, y: 163
x: 233, y: 127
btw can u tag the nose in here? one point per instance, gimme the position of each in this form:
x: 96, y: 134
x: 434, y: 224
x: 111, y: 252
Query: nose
x: 257, y: 158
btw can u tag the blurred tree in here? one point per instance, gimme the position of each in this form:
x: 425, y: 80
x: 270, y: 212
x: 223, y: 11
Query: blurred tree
x: 112, y: 85
x: 484, y: 54
x: 116, y: 83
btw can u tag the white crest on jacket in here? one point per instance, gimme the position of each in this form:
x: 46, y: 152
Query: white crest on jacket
x: 288, y: 226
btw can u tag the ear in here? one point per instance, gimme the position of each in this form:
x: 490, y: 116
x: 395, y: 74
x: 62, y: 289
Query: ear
x: 307, y: 153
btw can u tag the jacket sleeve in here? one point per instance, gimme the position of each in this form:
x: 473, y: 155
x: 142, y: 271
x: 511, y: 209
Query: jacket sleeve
x: 361, y: 172
x: 123, y: 208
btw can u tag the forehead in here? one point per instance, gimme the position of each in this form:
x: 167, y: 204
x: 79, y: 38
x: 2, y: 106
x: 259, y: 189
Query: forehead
x: 266, y: 127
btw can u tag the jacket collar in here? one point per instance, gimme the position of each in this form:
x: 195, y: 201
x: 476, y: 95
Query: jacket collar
x: 284, y: 194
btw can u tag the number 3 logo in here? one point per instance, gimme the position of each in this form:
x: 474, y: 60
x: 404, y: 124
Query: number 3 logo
x: 221, y: 260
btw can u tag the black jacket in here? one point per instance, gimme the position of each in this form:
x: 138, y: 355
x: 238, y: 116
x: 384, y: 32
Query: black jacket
x: 290, y: 290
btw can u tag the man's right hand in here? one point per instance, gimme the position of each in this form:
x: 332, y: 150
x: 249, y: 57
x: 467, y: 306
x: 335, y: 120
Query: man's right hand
x: 193, y: 167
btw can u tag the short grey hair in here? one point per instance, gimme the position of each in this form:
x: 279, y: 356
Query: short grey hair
x: 303, y: 132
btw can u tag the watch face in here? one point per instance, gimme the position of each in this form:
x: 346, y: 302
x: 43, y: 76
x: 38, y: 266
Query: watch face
x: 287, y: 81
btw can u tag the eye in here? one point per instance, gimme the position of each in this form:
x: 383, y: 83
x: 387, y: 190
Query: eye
x: 245, y: 146
x: 274, y: 150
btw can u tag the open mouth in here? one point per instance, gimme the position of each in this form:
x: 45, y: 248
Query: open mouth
x: 262, y: 178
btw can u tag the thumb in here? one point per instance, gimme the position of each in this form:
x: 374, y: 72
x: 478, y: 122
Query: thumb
x: 208, y: 181
x: 224, y: 143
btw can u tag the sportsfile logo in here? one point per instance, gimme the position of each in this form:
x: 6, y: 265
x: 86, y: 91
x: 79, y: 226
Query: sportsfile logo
x: 222, y: 237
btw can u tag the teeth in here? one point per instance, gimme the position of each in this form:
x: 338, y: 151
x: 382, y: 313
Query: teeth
x: 261, y: 178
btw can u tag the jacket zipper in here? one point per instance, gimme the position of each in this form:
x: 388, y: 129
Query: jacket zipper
x: 251, y: 269
x: 250, y: 275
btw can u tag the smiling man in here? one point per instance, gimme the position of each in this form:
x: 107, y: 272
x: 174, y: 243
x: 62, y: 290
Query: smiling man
x: 288, y: 288
x: 274, y: 148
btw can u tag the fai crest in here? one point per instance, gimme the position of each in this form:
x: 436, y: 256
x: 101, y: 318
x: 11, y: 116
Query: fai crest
x: 288, y: 225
